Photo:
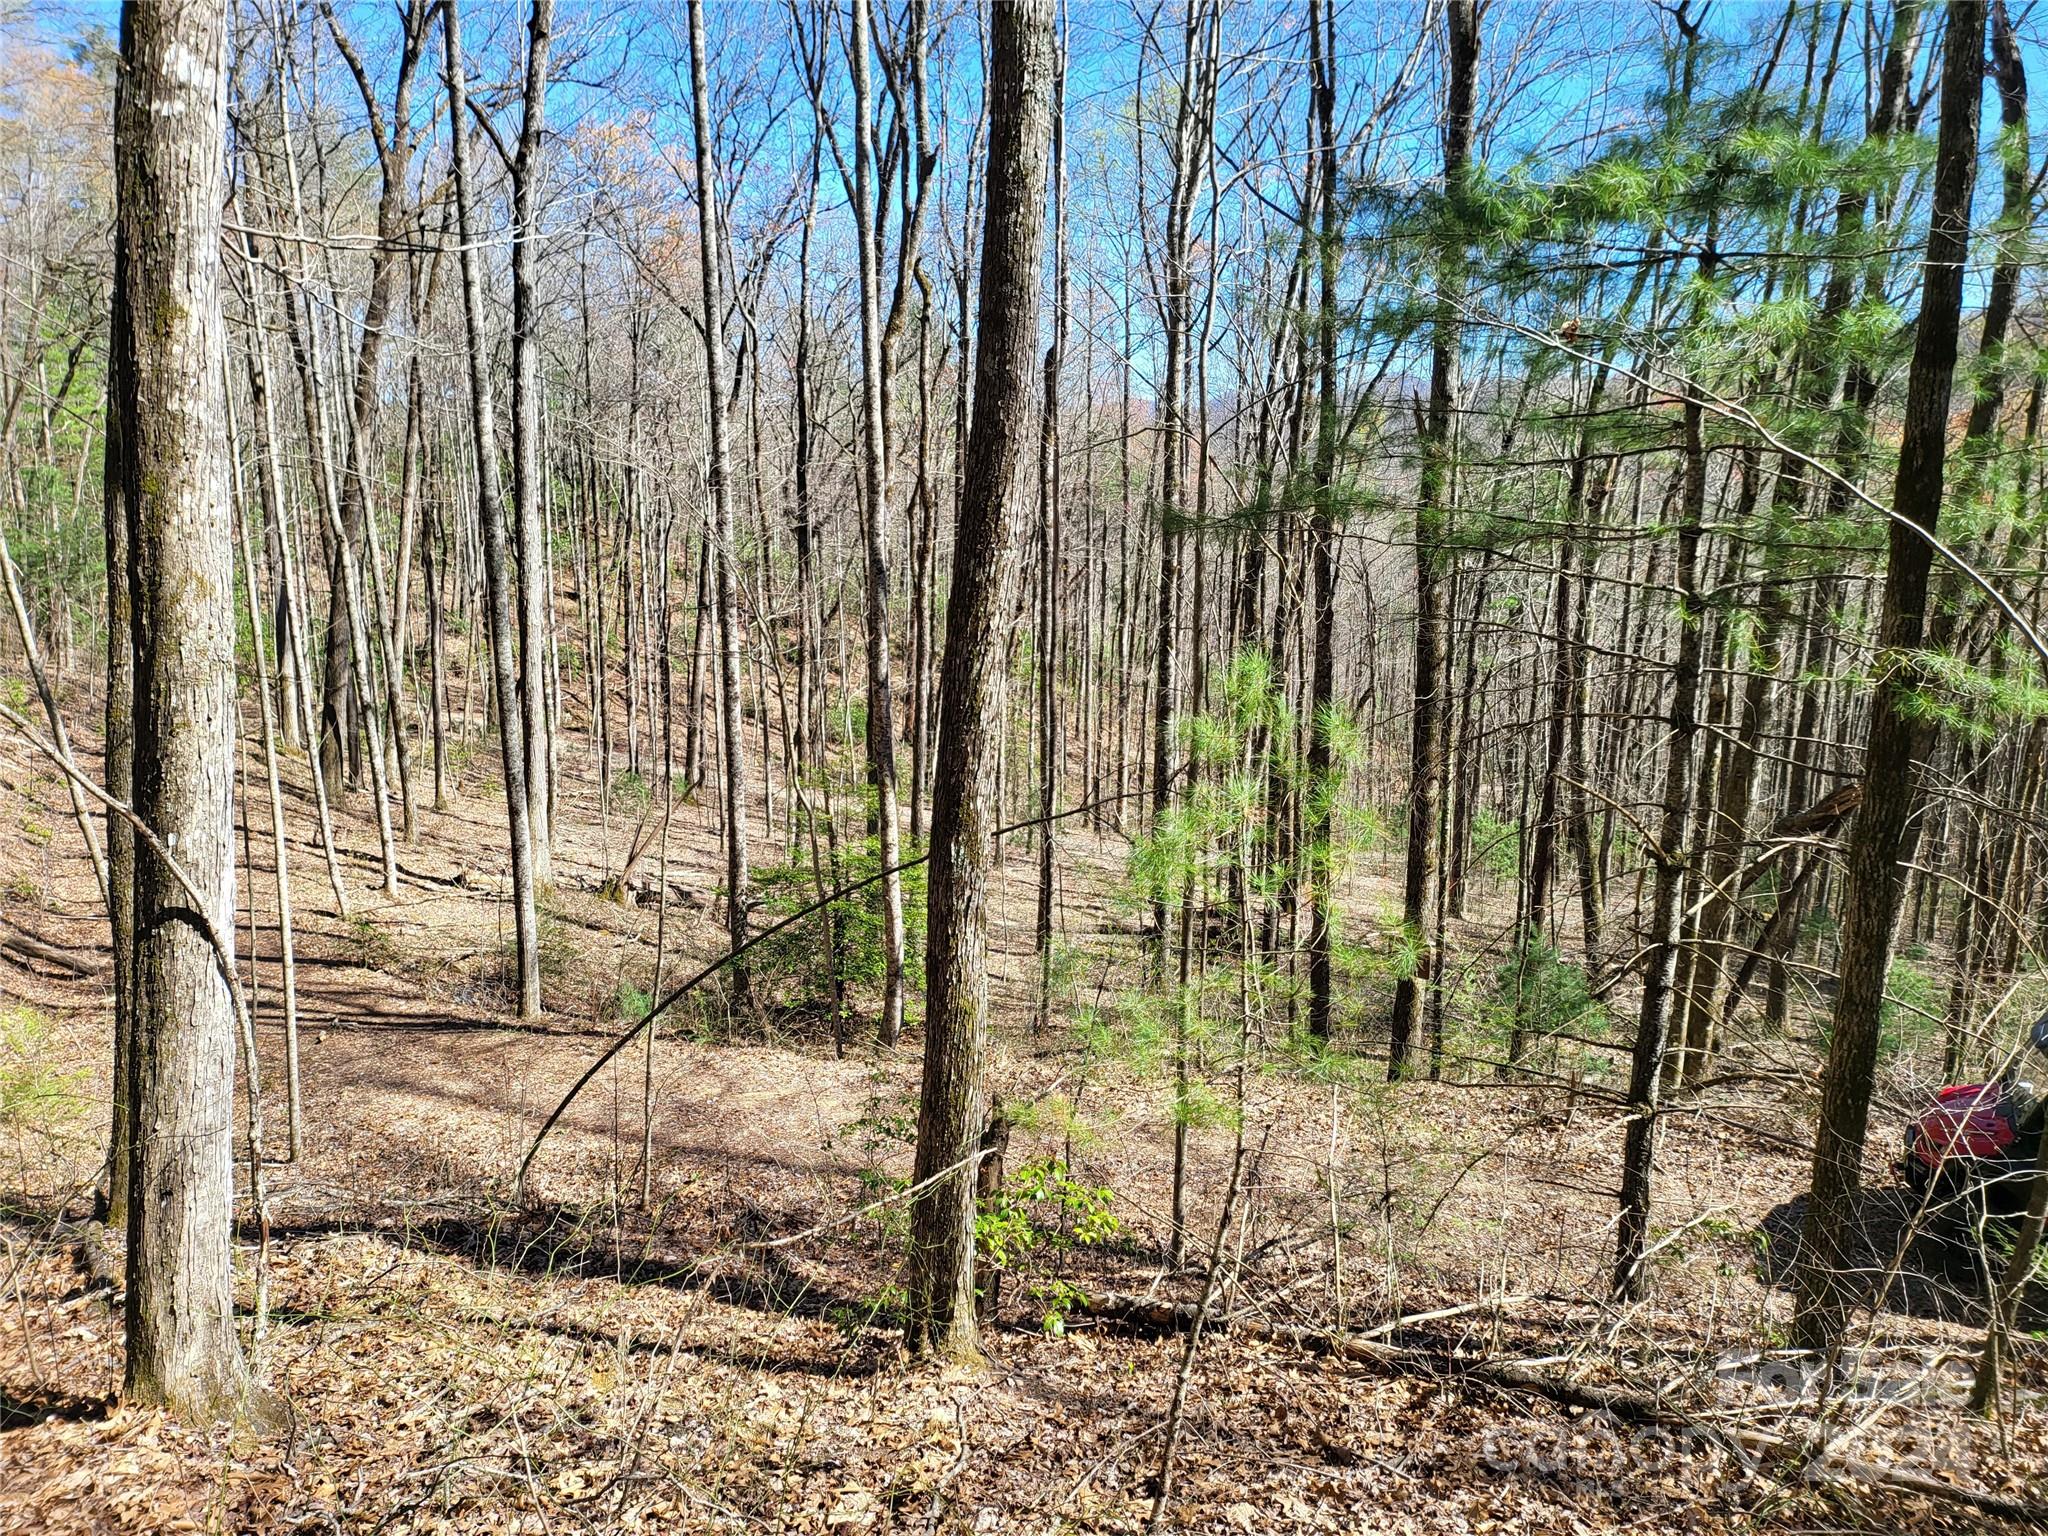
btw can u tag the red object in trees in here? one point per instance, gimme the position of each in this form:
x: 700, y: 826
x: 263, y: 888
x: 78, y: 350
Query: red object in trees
x: 1972, y: 1120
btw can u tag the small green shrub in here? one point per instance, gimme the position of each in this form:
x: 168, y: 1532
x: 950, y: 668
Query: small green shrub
x: 886, y: 1123
x: 1065, y: 968
x: 34, y: 1095
x: 1546, y: 1002
x: 1817, y: 926
x: 1913, y: 1011
x: 1041, y: 1212
x: 557, y: 944
x: 631, y: 794
x: 1549, y: 993
x: 558, y: 947
x: 796, y: 967
x: 887, y: 1118
x: 369, y: 946
x: 629, y: 1004
x: 1496, y: 845
x: 1360, y: 829
x: 849, y: 726
x: 555, y: 948
x: 1198, y: 1107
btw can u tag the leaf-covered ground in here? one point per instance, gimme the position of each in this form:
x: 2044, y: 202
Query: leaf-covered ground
x: 725, y: 1357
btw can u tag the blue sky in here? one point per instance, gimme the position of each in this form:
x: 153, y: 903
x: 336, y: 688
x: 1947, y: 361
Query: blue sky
x: 1557, y: 73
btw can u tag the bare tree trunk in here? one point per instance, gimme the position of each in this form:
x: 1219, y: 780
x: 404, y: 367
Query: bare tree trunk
x: 1323, y: 521
x: 432, y: 542
x: 293, y: 632
x: 730, y: 735
x: 354, y: 653
x: 534, y: 619
x: 348, y: 627
x: 170, y: 160
x: 287, y: 959
x: 1899, y: 734
x: 1426, y: 753
x: 496, y: 556
x: 700, y: 629
x: 881, y: 724
x: 810, y: 651
x: 1189, y: 164
x: 1051, y: 749
x: 949, y: 1121
x: 1669, y: 857
x: 385, y: 624
x: 119, y: 751
x: 922, y: 549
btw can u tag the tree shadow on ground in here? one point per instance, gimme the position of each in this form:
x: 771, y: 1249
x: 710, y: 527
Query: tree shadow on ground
x: 1937, y: 1263
x: 563, y: 1241
x: 19, y: 1409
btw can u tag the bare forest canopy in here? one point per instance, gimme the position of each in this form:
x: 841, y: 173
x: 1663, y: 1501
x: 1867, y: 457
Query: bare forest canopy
x: 1349, y: 698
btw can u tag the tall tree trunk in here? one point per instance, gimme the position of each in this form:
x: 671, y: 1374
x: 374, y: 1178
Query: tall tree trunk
x: 810, y: 645
x: 1669, y: 857
x: 347, y: 624
x: 1322, y: 533
x: 949, y: 1120
x: 491, y: 516
x: 730, y: 735
x: 1426, y: 748
x: 288, y: 975
x: 924, y: 539
x: 291, y: 632
x: 118, y: 745
x: 346, y: 501
x: 1189, y: 165
x: 171, y: 346
x: 881, y: 722
x: 534, y: 619
x: 1051, y: 750
x: 1899, y: 735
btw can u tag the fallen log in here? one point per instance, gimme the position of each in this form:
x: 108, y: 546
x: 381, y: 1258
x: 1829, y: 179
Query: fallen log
x: 29, y: 947
x: 1369, y: 1347
x: 1647, y: 1409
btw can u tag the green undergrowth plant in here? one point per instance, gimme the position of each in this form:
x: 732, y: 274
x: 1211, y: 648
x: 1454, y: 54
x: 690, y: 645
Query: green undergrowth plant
x: 630, y: 1004
x: 1036, y: 1219
x: 557, y: 948
x: 631, y: 795
x: 1399, y: 1197
x: 1251, y: 844
x: 369, y: 945
x: 36, y: 1094
x: 1915, y: 1007
x: 885, y: 1126
x: 1496, y: 845
x: 837, y: 951
x: 1538, y: 1009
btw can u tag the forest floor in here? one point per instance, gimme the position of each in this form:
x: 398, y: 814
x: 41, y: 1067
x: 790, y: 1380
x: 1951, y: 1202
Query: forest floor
x: 449, y: 1361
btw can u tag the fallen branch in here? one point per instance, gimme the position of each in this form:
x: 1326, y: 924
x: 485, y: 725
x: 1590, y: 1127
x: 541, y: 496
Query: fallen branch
x: 1647, y: 1409
x: 1152, y: 1315
x: 30, y: 947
